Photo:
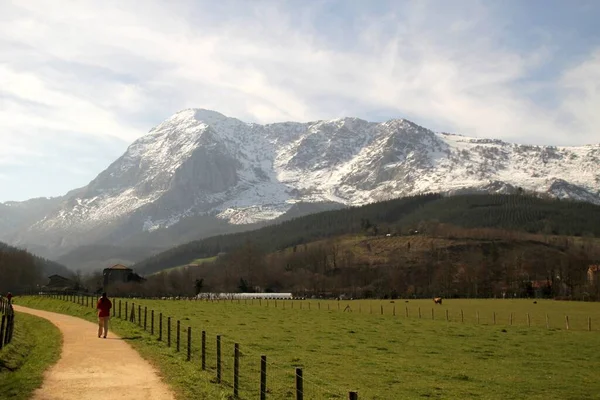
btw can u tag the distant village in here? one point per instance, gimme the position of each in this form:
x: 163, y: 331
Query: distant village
x: 111, y: 276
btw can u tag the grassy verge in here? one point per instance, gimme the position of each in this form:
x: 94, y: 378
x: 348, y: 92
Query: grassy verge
x: 35, y: 346
x: 186, y: 378
x: 380, y: 356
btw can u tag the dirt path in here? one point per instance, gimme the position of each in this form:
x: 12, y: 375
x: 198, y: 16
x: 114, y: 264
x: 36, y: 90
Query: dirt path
x: 93, y: 368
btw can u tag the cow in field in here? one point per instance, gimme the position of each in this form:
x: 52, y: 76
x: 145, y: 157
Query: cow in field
x: 437, y: 300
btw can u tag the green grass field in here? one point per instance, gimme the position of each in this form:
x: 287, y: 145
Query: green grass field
x: 381, y: 356
x: 35, y: 346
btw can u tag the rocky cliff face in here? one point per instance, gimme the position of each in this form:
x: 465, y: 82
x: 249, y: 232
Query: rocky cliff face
x: 202, y: 163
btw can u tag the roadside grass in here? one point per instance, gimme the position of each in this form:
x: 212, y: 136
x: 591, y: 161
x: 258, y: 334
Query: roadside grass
x: 380, y: 356
x: 186, y: 379
x: 35, y: 346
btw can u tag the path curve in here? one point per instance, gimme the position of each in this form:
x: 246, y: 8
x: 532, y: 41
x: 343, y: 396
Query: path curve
x: 93, y: 368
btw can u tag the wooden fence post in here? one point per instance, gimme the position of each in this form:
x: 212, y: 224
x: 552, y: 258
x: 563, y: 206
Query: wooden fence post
x: 126, y: 310
x: 447, y: 318
x: 432, y: 315
x: 145, y: 318
x: 462, y: 316
x: 567, y: 321
x: 236, y: 370
x: 178, y: 334
x: 590, y: 324
x: 139, y: 315
x: 547, y: 322
x: 477, y: 312
x: 394, y: 311
x: 406, y: 310
x: 152, y: 322
x: 119, y: 309
x: 10, y: 326
x: 353, y: 396
x: 160, y: 327
x: 528, y: 320
x: 419, y: 312
x: 132, y: 313
x: 381, y: 308
x: 218, y: 358
x: 189, y: 343
x: 299, y: 384
x: 203, y: 350
x: 263, y: 377
x: 168, y: 331
x: 2, y: 331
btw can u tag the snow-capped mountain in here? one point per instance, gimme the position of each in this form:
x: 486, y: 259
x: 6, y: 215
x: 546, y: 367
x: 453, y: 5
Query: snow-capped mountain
x: 202, y: 163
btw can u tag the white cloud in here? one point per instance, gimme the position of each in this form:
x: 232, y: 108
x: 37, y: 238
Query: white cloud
x: 582, y: 100
x: 115, y: 69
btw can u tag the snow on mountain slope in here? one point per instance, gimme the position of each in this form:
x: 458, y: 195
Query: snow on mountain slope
x: 200, y: 162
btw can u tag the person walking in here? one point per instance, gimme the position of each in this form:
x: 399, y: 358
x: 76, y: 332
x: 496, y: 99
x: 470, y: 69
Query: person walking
x: 104, y: 305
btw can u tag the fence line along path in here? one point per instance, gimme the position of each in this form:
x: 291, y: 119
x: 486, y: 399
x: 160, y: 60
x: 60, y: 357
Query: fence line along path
x: 92, y: 368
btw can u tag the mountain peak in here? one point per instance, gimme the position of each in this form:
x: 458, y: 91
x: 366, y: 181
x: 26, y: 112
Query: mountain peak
x: 199, y: 114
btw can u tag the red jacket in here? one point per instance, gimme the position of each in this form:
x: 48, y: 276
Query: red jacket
x: 104, y: 306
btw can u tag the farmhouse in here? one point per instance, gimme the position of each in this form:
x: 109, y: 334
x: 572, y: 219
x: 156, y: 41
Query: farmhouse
x: 119, y: 273
x: 58, y: 282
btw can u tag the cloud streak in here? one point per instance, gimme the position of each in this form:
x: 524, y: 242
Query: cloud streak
x: 113, y: 70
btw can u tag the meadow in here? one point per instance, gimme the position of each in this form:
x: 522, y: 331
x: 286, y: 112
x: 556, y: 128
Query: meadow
x: 375, y: 349
x: 35, y: 346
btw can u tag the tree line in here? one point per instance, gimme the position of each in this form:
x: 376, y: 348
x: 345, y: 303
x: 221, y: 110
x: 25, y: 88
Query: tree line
x: 21, y: 270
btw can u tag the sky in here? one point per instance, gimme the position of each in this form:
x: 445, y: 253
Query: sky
x: 81, y: 80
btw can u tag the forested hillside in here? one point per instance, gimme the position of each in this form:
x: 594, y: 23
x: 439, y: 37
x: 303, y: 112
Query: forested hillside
x: 450, y: 262
x: 423, y: 213
x: 21, y: 270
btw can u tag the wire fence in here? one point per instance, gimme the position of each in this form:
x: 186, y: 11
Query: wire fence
x: 250, y: 373
x: 247, y: 373
x: 7, y: 323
